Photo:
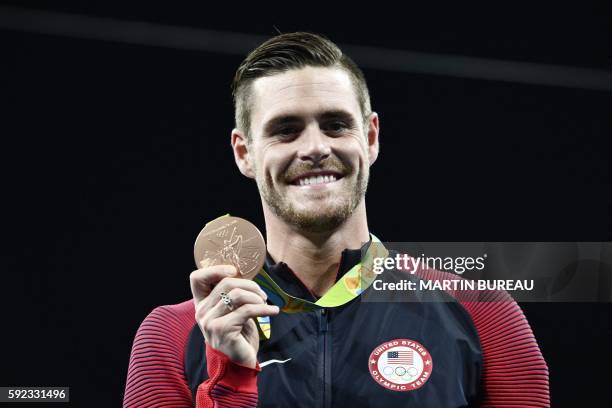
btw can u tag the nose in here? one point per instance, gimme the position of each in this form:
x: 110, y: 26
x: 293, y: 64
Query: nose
x: 315, y: 145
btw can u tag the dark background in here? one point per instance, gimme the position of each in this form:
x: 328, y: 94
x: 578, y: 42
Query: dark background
x: 115, y: 155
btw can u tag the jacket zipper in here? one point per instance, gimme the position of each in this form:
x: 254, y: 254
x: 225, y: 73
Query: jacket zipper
x: 325, y: 359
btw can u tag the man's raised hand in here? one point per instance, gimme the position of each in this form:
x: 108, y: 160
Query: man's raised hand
x: 229, y: 328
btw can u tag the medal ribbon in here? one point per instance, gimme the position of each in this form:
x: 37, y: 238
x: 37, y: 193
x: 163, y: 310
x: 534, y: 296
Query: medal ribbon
x: 351, y: 285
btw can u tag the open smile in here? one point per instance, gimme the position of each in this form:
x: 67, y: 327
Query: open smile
x: 316, y: 178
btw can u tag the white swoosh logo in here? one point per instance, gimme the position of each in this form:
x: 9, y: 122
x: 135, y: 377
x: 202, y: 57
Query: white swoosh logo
x: 265, y: 363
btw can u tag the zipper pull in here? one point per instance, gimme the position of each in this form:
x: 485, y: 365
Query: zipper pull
x: 323, y: 321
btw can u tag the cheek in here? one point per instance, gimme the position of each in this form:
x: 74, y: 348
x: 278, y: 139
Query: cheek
x: 354, y: 152
x: 274, y: 162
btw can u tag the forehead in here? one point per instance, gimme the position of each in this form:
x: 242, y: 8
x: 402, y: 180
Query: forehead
x: 302, y: 92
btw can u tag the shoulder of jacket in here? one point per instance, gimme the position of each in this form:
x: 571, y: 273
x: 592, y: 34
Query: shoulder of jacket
x: 177, y: 318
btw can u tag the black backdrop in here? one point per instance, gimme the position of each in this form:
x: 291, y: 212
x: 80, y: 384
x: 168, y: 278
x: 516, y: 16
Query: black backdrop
x: 115, y: 155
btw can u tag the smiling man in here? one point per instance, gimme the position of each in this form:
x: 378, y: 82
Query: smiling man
x: 309, y: 146
x: 306, y: 134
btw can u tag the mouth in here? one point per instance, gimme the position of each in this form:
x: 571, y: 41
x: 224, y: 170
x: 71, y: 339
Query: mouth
x: 316, y: 178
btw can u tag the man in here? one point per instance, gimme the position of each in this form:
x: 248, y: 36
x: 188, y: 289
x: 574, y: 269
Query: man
x: 305, y: 132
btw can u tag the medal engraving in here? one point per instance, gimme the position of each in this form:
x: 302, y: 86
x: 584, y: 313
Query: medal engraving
x: 231, y: 241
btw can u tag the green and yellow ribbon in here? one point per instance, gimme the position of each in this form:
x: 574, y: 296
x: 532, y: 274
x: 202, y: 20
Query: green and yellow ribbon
x: 351, y: 285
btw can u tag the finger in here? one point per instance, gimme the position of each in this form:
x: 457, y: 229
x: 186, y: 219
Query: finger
x: 245, y: 312
x: 219, y: 309
x: 218, y: 329
x: 249, y: 331
x: 226, y: 285
x: 203, y: 280
x: 238, y: 297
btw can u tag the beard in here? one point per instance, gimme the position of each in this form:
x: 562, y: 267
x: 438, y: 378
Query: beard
x: 317, y: 219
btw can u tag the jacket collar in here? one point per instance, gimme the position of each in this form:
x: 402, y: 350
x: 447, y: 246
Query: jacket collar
x: 287, y: 279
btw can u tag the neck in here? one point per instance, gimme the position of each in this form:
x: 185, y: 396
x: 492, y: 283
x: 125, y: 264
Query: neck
x: 314, y: 257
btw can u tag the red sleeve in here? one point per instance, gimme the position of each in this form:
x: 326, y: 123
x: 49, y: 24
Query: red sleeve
x: 515, y: 373
x: 228, y: 385
x: 156, y: 374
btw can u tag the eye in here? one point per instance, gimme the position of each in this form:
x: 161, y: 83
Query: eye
x: 287, y: 131
x: 335, y: 126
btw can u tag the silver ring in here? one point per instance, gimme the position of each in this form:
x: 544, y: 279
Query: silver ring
x: 226, y: 300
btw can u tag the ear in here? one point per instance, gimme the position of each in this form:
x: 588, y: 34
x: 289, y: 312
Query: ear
x: 373, y: 129
x: 242, y: 156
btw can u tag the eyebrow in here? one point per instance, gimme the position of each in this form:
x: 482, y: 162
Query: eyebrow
x: 281, y: 120
x: 337, y: 114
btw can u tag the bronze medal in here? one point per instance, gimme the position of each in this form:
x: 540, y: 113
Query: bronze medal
x: 231, y: 241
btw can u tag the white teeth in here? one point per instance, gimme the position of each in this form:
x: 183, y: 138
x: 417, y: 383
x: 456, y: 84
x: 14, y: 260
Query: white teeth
x: 317, y: 180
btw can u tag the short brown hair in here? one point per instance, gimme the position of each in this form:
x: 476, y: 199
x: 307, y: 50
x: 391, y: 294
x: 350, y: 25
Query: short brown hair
x: 286, y: 52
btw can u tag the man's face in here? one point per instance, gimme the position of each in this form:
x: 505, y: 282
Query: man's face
x: 310, y: 150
